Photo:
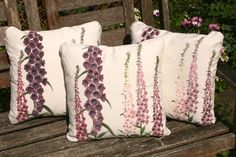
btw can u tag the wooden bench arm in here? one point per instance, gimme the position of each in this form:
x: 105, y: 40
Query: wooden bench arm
x: 228, y: 74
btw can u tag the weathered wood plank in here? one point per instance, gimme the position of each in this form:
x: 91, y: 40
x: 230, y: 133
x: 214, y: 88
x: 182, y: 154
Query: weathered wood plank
x: 176, y: 139
x: 4, y: 65
x: 2, y: 35
x: 205, y: 148
x: 6, y: 127
x: 227, y: 73
x: 140, y: 146
x: 61, y: 143
x: 4, y: 80
x: 32, y: 135
x: 12, y: 13
x: 32, y: 14
x: 106, y: 17
x: 3, y: 16
x: 71, y: 4
x: 52, y: 14
x: 113, y: 37
x: 164, y: 14
x: 128, y: 14
x: 147, y: 12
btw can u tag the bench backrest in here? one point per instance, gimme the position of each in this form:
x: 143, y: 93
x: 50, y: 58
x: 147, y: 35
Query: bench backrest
x: 115, y: 16
x: 9, y: 16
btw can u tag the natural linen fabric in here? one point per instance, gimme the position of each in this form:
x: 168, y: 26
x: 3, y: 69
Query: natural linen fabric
x: 37, y: 83
x: 113, y: 91
x: 189, y: 71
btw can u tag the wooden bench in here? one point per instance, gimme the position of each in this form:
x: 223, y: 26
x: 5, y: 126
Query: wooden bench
x: 46, y: 136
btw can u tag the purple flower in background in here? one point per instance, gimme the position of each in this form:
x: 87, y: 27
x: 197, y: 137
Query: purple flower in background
x: 214, y: 26
x: 156, y: 12
x: 196, y: 21
x: 186, y: 23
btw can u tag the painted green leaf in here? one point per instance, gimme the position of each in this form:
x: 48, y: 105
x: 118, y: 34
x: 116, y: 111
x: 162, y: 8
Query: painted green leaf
x: 147, y: 134
x: 142, y: 129
x: 48, y: 83
x: 23, y: 37
x: 22, y: 60
x: 82, y: 110
x: 190, y: 119
x: 108, y: 128
x: 48, y: 109
x: 82, y: 74
x: 23, y: 94
x: 108, y: 103
x: 99, y: 136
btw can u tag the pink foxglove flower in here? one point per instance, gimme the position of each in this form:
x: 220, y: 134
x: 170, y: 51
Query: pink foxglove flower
x: 79, y: 117
x: 207, y: 117
x: 180, y: 109
x: 192, y: 90
x: 22, y: 107
x: 158, y: 127
x: 142, y: 101
x: 129, y: 107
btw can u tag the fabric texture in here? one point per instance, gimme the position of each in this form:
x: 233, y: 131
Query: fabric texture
x: 189, y: 71
x: 37, y: 82
x: 110, y: 90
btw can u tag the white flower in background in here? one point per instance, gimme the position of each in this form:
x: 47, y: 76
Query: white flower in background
x: 156, y: 12
x: 224, y: 56
x: 137, y: 14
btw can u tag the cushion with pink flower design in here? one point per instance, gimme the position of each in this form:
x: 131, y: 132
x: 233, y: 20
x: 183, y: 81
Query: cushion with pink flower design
x: 37, y: 83
x: 110, y: 90
x: 189, y: 71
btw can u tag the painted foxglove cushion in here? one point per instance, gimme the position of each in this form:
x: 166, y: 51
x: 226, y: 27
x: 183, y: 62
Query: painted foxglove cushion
x: 37, y: 82
x: 110, y: 90
x: 189, y: 71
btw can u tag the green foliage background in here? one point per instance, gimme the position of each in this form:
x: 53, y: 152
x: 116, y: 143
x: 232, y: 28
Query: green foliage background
x: 212, y: 11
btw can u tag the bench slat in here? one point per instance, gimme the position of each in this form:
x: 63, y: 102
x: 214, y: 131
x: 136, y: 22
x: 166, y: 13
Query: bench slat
x: 129, y: 14
x: 138, y: 146
x: 32, y: 135
x: 147, y: 12
x: 113, y: 37
x: 6, y: 127
x: 4, y: 79
x: 2, y: 35
x: 120, y: 145
x: 32, y: 14
x: 106, y: 17
x: 4, y: 65
x: 3, y: 16
x: 61, y: 143
x: 70, y: 4
x: 205, y: 148
x: 12, y: 13
x: 177, y: 139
